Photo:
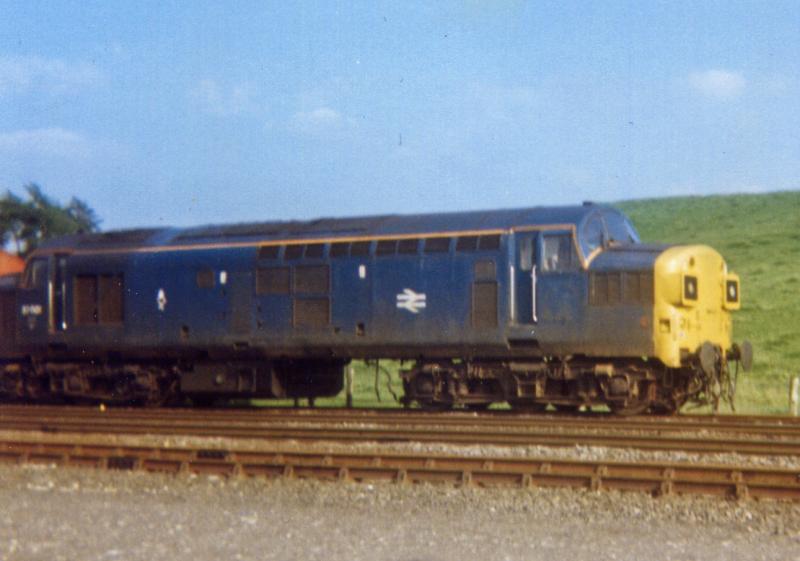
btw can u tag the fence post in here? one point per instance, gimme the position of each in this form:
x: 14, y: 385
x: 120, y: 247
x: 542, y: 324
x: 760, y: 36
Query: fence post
x: 794, y: 395
x: 348, y: 386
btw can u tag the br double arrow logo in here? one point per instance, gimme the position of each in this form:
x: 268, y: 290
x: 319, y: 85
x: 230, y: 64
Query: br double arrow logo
x: 411, y: 301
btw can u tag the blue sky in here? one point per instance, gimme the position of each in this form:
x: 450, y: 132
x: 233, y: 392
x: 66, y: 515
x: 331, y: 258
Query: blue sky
x: 186, y: 113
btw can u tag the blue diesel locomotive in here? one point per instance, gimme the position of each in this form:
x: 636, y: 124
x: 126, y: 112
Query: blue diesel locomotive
x: 537, y: 306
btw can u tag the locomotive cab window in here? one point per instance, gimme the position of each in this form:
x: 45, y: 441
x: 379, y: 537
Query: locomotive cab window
x: 526, y: 253
x: 620, y: 231
x: 558, y: 254
x: 36, y: 274
x: 594, y: 234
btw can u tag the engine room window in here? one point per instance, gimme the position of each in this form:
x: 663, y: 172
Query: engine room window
x: 386, y: 247
x: 489, y: 243
x: 437, y: 245
x: 339, y: 249
x: 359, y: 249
x: 467, y: 243
x: 408, y: 246
x: 269, y: 251
x: 315, y: 250
x: 558, y: 253
x: 293, y: 251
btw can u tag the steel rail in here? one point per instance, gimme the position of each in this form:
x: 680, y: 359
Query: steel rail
x: 761, y: 425
x: 650, y: 477
x: 312, y: 428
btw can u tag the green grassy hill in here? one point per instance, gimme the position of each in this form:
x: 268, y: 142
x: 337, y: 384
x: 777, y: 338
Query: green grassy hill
x: 759, y: 236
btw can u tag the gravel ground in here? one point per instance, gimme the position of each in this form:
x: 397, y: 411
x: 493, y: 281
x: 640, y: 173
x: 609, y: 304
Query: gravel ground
x: 53, y: 514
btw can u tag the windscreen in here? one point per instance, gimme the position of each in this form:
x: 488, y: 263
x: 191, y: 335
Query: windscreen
x: 611, y: 227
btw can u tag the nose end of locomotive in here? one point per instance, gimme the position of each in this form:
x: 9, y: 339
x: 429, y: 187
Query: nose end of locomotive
x: 694, y: 297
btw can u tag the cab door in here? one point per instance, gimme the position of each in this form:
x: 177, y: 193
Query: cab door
x: 32, y: 302
x: 560, y: 291
x: 57, y: 297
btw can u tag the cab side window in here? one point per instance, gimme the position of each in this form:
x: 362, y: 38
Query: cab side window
x: 36, y: 274
x: 558, y: 254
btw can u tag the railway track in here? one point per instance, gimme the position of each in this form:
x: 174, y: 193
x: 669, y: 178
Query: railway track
x: 650, y: 477
x: 78, y: 436
x: 776, y: 436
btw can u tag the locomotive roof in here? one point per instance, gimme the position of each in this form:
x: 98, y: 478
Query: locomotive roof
x: 331, y: 228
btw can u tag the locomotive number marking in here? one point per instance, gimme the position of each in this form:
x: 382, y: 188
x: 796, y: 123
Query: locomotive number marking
x: 411, y: 301
x: 31, y: 309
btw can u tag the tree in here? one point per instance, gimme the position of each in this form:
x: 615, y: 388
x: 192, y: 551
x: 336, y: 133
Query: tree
x: 26, y: 223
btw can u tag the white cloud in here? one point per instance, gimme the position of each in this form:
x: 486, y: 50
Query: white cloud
x: 718, y: 84
x: 499, y: 103
x: 222, y: 101
x: 52, y: 142
x: 22, y: 74
x: 319, y: 120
